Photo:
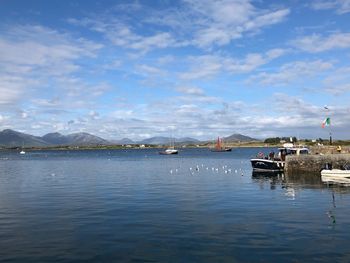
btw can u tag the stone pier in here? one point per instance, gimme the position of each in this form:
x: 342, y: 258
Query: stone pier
x: 313, y: 163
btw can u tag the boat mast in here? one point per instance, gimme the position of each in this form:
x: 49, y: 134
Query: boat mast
x: 218, y: 144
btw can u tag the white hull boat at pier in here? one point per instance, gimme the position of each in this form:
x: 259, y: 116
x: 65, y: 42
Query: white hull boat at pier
x: 337, y: 176
x: 336, y: 173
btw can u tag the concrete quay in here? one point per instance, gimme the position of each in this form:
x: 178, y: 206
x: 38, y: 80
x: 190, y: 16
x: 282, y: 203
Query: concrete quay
x: 314, y: 163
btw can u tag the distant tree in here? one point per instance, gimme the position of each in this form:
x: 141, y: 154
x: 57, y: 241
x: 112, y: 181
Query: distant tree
x: 276, y: 140
x: 273, y: 140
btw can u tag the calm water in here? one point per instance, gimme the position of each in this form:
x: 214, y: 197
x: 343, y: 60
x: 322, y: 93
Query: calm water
x: 139, y: 206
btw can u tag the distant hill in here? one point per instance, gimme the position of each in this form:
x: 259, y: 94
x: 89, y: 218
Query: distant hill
x: 83, y: 138
x: 159, y: 140
x: 187, y: 140
x: 11, y: 138
x: 123, y: 141
x: 77, y: 139
x: 56, y: 138
x: 239, y: 138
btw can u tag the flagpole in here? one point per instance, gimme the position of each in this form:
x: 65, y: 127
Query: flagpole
x: 330, y: 125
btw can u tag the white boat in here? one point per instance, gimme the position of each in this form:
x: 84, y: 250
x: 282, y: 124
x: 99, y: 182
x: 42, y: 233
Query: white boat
x: 331, y: 179
x: 339, y: 176
x: 169, y: 151
x: 22, y: 152
x: 337, y: 173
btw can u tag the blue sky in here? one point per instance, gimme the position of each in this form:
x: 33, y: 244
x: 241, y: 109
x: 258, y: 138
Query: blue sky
x: 197, y: 68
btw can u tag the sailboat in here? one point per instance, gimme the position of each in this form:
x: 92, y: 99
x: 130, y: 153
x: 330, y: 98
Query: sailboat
x: 219, y: 147
x: 22, y: 151
x: 170, y: 150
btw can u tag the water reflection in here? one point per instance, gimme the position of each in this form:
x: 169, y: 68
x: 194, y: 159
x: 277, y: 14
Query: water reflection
x: 300, y: 181
x: 263, y: 178
x: 331, y: 180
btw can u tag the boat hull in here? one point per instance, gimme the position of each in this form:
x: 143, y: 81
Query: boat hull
x: 168, y: 152
x: 336, y: 173
x: 265, y: 165
x: 221, y: 150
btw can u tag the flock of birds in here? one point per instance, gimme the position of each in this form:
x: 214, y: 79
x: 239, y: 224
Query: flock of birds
x: 198, y: 168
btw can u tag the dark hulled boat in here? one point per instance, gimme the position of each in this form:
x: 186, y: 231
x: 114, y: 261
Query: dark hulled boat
x: 266, y: 165
x: 273, y: 164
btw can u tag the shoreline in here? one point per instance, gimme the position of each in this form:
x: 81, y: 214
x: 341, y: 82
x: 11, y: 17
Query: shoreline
x: 314, y: 148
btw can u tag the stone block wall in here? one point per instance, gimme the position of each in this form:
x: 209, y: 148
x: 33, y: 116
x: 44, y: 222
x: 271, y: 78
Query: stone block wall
x: 314, y: 163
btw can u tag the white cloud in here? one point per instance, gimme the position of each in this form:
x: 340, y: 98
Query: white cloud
x: 94, y: 115
x: 217, y: 23
x: 207, y: 66
x: 122, y: 114
x: 33, y: 56
x: 204, y: 24
x: 340, y: 6
x: 290, y: 72
x: 165, y: 59
x: 46, y: 46
x: 14, y: 88
x: 24, y: 115
x: 338, y: 83
x: 317, y: 43
x: 114, y: 65
x: 147, y: 70
x: 195, y: 91
x: 203, y: 67
x: 121, y: 34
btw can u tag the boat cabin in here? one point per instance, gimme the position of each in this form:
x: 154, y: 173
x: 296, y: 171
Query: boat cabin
x: 292, y: 151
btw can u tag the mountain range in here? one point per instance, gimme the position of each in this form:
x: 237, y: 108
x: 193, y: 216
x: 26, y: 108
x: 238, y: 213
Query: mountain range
x: 11, y: 138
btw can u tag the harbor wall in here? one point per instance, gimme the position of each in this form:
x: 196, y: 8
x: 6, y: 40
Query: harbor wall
x: 314, y: 163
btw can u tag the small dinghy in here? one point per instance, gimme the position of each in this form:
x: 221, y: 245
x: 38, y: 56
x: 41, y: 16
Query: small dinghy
x: 328, y: 174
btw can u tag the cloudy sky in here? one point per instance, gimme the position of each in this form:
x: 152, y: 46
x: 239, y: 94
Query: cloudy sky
x: 198, y: 68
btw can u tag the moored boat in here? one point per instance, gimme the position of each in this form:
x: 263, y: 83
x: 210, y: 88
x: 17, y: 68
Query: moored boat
x: 330, y: 175
x: 336, y: 176
x: 336, y: 173
x: 219, y: 147
x: 272, y: 163
x: 266, y: 165
x: 169, y: 151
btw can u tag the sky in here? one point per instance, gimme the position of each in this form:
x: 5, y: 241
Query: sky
x: 186, y: 68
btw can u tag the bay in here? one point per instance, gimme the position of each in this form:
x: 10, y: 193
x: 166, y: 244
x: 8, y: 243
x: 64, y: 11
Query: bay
x: 138, y: 206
